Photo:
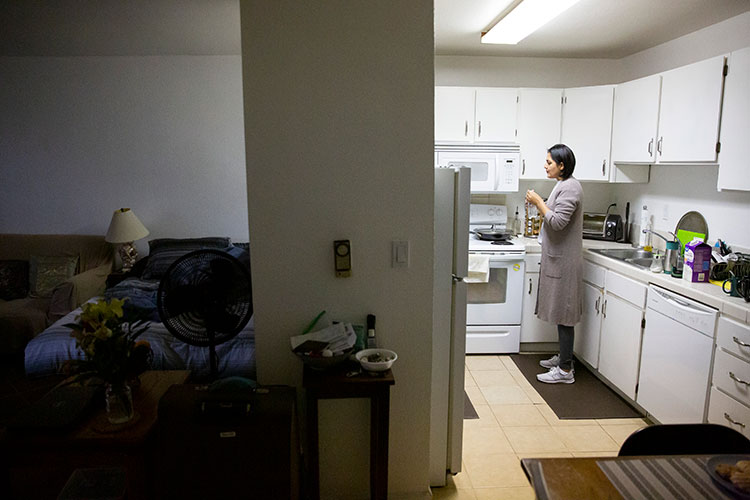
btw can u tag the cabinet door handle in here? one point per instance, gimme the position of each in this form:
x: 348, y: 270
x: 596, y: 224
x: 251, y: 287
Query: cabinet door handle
x: 658, y: 145
x: 726, y: 416
x: 738, y: 342
x: 734, y: 377
x: 523, y: 169
x: 596, y: 304
x: 530, y: 281
x: 604, y: 309
x: 480, y: 128
x: 466, y: 128
x: 651, y: 146
x: 604, y: 165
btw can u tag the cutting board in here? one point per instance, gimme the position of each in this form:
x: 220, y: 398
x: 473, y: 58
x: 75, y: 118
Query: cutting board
x: 688, y: 236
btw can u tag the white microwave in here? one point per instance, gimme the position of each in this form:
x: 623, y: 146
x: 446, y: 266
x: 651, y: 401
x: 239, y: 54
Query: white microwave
x: 491, y: 171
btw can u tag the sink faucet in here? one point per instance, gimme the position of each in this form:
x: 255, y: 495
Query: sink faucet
x: 645, y: 231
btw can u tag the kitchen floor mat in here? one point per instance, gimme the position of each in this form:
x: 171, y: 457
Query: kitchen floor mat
x: 469, y: 410
x: 587, y: 398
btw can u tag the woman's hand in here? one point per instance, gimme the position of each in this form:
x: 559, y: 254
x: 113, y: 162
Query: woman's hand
x: 534, y: 198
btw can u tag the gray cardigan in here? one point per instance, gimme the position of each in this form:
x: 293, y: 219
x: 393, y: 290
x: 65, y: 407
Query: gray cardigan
x: 560, y: 298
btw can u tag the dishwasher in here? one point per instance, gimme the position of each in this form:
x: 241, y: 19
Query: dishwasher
x: 676, y: 357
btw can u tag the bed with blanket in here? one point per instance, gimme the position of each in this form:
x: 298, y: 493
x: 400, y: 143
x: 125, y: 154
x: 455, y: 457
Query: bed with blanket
x: 47, y: 353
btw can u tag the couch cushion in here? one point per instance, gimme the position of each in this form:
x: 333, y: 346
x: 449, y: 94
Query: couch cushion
x: 164, y: 251
x: 92, y: 250
x: 20, y: 321
x: 14, y: 279
x: 46, y: 272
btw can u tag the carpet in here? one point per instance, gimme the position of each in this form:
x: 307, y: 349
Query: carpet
x: 587, y: 398
x: 469, y: 411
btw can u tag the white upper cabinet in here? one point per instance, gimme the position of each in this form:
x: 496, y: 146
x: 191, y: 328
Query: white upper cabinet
x: 690, y: 112
x: 587, y: 130
x: 454, y: 114
x: 475, y: 115
x: 735, y: 124
x: 539, y: 119
x: 636, y: 115
x: 496, y: 112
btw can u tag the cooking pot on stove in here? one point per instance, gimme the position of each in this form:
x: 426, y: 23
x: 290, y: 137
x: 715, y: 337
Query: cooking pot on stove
x: 491, y: 234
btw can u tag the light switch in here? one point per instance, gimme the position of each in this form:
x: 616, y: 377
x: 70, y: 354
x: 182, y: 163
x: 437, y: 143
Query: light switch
x: 400, y: 254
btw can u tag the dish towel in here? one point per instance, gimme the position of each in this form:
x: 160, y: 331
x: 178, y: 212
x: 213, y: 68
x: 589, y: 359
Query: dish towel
x: 479, y: 268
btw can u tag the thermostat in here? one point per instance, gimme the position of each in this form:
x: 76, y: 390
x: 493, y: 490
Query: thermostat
x: 342, y: 257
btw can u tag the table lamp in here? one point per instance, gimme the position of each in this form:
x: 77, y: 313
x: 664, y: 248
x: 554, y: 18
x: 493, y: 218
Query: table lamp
x: 125, y: 228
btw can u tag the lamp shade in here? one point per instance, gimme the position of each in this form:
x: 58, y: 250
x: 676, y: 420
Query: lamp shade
x: 125, y: 227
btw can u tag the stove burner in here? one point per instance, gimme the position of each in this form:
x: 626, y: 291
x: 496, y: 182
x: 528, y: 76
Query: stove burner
x: 502, y: 242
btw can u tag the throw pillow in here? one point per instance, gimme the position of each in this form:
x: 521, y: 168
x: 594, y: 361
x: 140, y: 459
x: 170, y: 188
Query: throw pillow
x: 14, y: 279
x: 164, y: 251
x: 46, y: 272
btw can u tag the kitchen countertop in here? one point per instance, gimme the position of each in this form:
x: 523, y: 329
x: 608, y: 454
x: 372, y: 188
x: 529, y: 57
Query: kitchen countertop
x: 707, y: 293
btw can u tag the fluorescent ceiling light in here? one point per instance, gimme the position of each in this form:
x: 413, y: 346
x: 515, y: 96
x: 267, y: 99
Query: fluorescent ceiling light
x: 527, y: 17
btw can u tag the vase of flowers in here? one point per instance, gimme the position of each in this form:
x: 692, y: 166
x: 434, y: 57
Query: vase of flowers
x: 107, y: 337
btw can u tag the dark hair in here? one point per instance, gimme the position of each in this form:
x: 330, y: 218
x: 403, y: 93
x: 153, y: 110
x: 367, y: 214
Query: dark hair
x: 562, y: 154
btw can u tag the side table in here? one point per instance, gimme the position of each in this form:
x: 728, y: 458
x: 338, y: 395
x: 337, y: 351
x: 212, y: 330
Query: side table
x: 42, y: 462
x: 336, y: 385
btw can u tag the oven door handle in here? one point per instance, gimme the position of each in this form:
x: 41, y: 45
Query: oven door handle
x: 494, y: 257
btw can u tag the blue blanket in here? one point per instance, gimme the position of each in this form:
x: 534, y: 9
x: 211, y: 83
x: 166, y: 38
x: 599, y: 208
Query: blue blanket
x: 49, y: 350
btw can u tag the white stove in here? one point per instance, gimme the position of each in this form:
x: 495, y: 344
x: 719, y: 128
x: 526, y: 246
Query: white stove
x: 496, y: 216
x: 495, y: 306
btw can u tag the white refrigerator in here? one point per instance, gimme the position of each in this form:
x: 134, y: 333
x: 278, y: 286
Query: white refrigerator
x: 451, y: 248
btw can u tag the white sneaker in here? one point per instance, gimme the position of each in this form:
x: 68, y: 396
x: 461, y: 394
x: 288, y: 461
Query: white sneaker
x: 556, y: 376
x: 551, y: 362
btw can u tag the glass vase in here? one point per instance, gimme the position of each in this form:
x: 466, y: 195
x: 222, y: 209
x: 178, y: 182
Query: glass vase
x: 119, y: 400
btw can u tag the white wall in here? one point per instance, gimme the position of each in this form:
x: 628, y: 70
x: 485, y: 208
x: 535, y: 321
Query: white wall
x: 83, y: 136
x: 720, y: 38
x: 339, y: 136
x: 484, y: 71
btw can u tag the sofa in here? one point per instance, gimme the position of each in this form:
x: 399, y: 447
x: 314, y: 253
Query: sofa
x: 45, y: 276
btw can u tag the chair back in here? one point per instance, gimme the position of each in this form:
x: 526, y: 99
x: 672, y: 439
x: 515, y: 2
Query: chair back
x: 685, y: 439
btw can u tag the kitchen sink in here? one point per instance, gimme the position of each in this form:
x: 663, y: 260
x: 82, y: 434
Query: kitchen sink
x: 634, y: 256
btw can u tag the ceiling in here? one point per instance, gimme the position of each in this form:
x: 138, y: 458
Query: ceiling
x: 590, y: 29
x: 609, y: 29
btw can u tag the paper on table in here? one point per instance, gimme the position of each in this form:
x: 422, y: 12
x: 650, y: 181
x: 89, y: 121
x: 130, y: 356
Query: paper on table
x: 339, y: 337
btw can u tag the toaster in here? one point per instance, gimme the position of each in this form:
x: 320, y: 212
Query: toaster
x: 606, y: 227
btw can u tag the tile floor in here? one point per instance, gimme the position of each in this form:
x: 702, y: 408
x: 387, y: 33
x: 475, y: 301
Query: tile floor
x: 514, y: 423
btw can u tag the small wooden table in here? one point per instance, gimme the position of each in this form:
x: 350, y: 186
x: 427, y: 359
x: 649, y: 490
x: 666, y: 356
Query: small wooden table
x: 336, y: 385
x: 40, y: 463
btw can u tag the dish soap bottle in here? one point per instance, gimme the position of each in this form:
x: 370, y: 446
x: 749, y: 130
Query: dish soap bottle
x: 643, y: 237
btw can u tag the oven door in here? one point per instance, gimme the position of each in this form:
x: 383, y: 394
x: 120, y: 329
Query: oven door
x: 499, y: 301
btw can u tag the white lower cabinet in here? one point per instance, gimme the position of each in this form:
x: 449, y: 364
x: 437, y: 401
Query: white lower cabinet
x: 586, y: 343
x: 620, y: 350
x: 588, y: 331
x: 532, y: 328
x: 622, y: 331
x: 727, y: 411
x: 729, y: 402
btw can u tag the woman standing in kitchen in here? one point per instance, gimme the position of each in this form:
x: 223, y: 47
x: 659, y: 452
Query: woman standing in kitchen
x: 561, y: 275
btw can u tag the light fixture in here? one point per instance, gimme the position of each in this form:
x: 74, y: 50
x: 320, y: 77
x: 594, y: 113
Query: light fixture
x: 525, y: 18
x: 125, y: 228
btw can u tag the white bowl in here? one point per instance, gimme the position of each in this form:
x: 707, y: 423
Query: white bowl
x: 376, y: 366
